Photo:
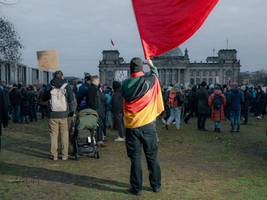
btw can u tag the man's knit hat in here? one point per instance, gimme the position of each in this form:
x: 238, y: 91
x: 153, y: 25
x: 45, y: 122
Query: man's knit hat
x: 136, y: 65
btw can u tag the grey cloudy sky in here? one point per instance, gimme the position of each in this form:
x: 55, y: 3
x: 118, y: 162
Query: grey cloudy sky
x: 79, y: 30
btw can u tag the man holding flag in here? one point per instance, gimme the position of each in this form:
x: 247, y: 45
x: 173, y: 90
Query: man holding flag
x: 163, y: 26
x: 142, y: 105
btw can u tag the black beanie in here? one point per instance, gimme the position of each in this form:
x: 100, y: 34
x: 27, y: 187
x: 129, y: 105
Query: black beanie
x: 203, y: 84
x: 136, y: 65
x: 116, y: 85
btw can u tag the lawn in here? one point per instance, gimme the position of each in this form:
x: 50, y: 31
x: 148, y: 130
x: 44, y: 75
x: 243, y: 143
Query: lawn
x: 194, y: 165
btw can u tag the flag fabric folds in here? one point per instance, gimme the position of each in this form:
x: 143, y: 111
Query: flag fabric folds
x: 165, y: 24
x: 143, y: 101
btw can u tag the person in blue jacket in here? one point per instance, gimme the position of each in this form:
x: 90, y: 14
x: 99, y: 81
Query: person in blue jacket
x: 236, y: 99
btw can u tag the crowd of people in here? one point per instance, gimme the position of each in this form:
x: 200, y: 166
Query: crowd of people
x: 217, y: 102
x: 23, y: 103
x: 130, y: 107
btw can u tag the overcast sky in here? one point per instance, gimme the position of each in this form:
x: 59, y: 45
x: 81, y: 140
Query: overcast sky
x: 79, y: 30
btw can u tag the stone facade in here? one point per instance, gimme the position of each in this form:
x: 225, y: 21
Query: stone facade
x: 175, y: 67
x: 11, y: 73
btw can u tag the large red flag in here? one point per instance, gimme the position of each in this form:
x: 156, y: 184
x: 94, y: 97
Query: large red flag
x: 166, y: 24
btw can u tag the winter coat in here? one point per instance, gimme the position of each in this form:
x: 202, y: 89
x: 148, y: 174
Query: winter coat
x: 3, y: 107
x: 192, y: 101
x: 101, y: 109
x: 236, y: 99
x: 58, y: 83
x: 247, y: 100
x: 25, y: 104
x: 202, y: 101
x: 217, y: 115
x: 95, y: 100
x: 33, y: 97
x: 82, y: 95
x: 117, y: 103
x: 108, y: 99
x: 92, y: 96
x: 178, y: 99
x: 15, y: 96
x: 260, y: 102
x: 41, y: 101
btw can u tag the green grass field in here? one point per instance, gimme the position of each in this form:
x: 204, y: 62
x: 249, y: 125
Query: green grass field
x: 194, y: 165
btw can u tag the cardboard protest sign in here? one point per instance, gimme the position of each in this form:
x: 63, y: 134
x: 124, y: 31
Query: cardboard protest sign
x: 48, y: 60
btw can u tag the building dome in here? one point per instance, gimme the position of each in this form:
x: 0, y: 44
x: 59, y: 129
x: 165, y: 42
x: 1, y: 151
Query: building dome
x: 174, y: 53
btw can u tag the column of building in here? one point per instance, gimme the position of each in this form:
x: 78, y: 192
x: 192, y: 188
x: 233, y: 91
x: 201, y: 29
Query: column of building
x: 2, y: 68
x: 173, y: 73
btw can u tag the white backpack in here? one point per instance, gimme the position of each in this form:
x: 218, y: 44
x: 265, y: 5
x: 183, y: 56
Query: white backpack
x: 58, y: 100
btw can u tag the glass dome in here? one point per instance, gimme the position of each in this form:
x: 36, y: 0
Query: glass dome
x: 174, y: 53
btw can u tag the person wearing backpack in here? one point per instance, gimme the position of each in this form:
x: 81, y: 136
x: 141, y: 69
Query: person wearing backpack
x: 60, y: 97
x: 175, y: 104
x: 217, y: 103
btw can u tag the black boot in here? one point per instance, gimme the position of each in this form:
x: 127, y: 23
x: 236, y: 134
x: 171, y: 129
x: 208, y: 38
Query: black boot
x: 167, y: 127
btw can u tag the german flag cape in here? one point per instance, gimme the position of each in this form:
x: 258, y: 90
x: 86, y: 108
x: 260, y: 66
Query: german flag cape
x: 143, y: 101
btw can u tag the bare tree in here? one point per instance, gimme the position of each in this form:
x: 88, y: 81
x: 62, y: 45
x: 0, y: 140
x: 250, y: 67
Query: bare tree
x: 10, y: 42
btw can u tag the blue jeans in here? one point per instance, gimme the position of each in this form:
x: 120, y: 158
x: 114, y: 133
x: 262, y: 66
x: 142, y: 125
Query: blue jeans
x: 217, y: 124
x: 175, y: 115
x: 235, y: 119
x: 109, y: 122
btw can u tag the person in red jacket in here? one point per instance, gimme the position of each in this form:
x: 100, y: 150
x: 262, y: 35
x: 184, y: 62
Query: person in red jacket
x: 217, y: 103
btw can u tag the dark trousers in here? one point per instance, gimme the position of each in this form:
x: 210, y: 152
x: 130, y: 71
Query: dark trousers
x: 44, y: 111
x: 201, y: 121
x: 16, y: 113
x: 118, y: 118
x: 0, y: 136
x: 137, y: 138
x: 100, y: 130
x: 189, y: 116
x: 33, y: 112
x: 245, y: 114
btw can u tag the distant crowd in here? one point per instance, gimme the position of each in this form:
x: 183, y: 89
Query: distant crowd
x: 217, y: 102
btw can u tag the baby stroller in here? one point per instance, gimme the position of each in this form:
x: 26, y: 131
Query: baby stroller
x: 83, y: 129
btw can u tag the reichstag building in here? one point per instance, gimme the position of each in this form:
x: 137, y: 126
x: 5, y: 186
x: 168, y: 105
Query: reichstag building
x: 176, y: 67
